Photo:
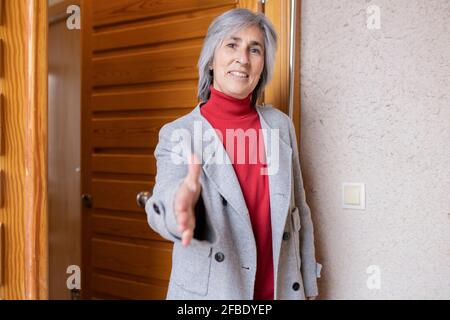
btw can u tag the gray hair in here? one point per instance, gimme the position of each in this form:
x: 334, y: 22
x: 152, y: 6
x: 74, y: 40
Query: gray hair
x: 224, y: 25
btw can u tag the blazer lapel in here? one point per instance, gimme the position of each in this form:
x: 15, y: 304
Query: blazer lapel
x: 221, y: 172
x: 280, y: 168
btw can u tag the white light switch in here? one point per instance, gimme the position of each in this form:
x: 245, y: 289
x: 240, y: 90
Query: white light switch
x: 353, y: 196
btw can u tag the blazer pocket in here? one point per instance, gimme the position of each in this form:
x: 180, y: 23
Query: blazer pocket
x: 192, y: 268
x: 296, y: 226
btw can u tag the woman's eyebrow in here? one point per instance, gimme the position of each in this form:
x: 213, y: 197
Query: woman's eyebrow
x: 253, y: 42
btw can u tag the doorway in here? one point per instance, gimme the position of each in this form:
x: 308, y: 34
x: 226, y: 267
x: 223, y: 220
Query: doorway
x: 112, y: 85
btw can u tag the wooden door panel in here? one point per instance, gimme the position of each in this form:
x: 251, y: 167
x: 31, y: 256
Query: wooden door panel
x: 128, y: 289
x: 121, y: 163
x: 118, y: 11
x: 149, y: 66
x: 121, y: 225
x: 157, y: 31
x: 117, y: 194
x: 160, y: 97
x: 137, y: 260
x: 129, y: 133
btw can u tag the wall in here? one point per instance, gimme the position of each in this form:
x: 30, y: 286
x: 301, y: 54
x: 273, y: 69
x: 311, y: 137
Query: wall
x: 375, y: 109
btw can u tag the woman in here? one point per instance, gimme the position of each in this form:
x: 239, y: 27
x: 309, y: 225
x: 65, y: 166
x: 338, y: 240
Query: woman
x: 241, y: 226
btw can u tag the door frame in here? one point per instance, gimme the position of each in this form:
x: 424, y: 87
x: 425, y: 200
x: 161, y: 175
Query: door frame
x: 35, y: 152
x: 276, y: 93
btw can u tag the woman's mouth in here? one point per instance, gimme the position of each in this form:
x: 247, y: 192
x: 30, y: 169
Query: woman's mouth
x: 238, y: 75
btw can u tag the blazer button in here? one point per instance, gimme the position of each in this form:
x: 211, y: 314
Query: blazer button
x: 286, y: 236
x: 156, y: 208
x: 224, y: 201
x: 296, y: 286
x: 219, y: 257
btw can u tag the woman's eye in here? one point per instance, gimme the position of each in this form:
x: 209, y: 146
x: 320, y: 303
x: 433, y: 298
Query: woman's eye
x: 253, y: 50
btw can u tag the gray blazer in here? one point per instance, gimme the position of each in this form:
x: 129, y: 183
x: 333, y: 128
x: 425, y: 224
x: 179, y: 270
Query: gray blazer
x: 220, y: 262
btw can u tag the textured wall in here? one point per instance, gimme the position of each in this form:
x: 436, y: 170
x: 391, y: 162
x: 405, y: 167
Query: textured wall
x: 376, y: 109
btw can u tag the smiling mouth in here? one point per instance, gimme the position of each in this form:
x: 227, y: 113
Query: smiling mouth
x: 238, y: 75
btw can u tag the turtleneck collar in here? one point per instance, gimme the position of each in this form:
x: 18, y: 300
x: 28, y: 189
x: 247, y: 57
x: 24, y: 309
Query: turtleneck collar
x: 224, y: 106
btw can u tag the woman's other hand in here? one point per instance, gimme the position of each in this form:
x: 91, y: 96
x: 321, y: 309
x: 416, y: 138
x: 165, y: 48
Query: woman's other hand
x: 186, y: 199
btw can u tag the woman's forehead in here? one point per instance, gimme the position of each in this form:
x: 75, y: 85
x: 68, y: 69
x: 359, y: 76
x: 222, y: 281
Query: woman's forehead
x: 255, y: 35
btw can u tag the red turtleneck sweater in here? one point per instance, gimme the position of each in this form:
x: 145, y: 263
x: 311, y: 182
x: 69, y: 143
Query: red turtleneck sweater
x: 226, y: 112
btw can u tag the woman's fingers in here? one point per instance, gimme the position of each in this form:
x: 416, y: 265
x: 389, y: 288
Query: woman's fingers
x: 186, y: 198
x: 193, y: 177
x: 184, y: 215
x: 186, y: 237
x: 183, y: 220
x: 188, y: 232
x: 186, y: 225
x: 184, y: 205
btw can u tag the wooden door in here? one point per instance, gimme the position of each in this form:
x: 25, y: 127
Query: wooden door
x: 139, y: 72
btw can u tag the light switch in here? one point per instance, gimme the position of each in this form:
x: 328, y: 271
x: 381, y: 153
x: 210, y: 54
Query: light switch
x: 353, y: 196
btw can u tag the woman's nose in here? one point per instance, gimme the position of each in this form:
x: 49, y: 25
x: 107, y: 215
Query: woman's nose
x: 242, y: 56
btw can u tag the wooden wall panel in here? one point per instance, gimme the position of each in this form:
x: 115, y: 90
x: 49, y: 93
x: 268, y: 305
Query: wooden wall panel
x: 23, y: 160
x: 13, y: 32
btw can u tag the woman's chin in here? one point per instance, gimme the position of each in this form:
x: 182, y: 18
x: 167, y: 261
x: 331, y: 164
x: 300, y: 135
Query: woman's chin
x: 237, y: 92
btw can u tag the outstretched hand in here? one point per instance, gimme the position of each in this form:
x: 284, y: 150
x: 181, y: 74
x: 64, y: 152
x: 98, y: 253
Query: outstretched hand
x: 185, y: 200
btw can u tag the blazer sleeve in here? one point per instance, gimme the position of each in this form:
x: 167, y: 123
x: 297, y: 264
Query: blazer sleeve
x: 171, y: 169
x: 310, y: 268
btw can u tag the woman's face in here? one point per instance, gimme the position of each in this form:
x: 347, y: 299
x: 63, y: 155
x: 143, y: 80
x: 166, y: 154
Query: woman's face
x: 239, y: 62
